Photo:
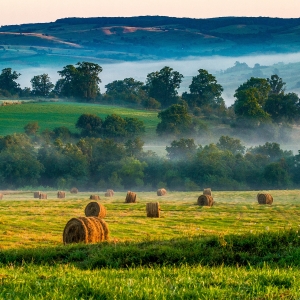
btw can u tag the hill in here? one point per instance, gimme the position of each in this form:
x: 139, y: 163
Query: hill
x: 149, y: 37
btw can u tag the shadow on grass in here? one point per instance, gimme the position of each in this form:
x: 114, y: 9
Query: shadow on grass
x: 278, y: 249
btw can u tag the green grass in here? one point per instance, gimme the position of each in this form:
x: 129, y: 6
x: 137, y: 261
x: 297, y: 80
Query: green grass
x: 236, y: 249
x: 55, y: 114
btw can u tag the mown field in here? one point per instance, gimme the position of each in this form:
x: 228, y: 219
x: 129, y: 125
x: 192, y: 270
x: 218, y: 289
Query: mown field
x: 235, y: 249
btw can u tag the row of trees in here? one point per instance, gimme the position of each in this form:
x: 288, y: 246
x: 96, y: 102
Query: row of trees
x: 95, y: 163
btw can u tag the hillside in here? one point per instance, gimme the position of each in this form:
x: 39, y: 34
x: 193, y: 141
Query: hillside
x: 136, y: 38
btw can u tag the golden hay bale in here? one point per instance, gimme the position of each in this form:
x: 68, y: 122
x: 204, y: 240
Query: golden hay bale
x: 94, y: 197
x: 130, y: 197
x: 74, y: 190
x: 1, y: 196
x: 264, y: 198
x: 207, y: 191
x: 109, y: 193
x: 95, y: 209
x: 161, y: 192
x: 85, y: 230
x: 36, y: 195
x: 61, y: 194
x: 205, y: 200
x: 153, y: 210
x: 43, y: 196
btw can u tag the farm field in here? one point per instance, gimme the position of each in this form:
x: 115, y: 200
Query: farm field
x: 235, y: 249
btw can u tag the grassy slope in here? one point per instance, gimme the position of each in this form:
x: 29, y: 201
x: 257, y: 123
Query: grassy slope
x: 194, y: 252
x: 54, y: 114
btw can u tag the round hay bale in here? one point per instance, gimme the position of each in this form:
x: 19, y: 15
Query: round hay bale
x: 61, y: 194
x: 43, y: 196
x: 207, y: 191
x: 130, y: 197
x: 1, y: 196
x: 109, y: 193
x: 161, y: 192
x: 95, y: 209
x: 94, y: 197
x: 153, y: 210
x: 36, y: 195
x: 85, y: 230
x: 74, y: 190
x: 205, y: 200
x: 264, y: 198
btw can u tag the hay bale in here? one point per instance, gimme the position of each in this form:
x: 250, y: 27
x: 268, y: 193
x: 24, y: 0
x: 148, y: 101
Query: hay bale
x: 264, y: 198
x: 85, y: 230
x: 94, y: 197
x: 130, y: 197
x: 74, y: 190
x: 207, y: 191
x: 43, y: 196
x: 153, y: 210
x: 1, y: 196
x: 95, y: 209
x: 161, y: 192
x: 36, y: 195
x: 61, y: 194
x: 109, y: 193
x: 205, y: 200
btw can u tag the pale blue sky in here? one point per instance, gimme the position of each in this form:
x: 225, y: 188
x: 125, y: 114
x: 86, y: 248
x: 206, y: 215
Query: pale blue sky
x: 33, y: 11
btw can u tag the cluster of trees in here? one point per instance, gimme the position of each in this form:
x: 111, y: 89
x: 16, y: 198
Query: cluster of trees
x: 98, y: 163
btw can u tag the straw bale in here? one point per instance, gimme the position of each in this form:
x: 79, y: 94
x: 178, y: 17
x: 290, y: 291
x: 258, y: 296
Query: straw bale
x: 43, y: 196
x: 98, y: 225
x: 109, y: 193
x: 105, y: 229
x: 36, y: 195
x: 93, y: 232
x: 1, y: 196
x: 161, y: 192
x: 61, y: 194
x: 153, y: 210
x: 205, y: 200
x: 130, y: 197
x: 74, y: 190
x: 207, y: 191
x: 264, y: 198
x: 94, y: 197
x: 95, y: 209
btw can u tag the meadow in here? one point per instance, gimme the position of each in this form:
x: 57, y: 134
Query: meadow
x: 235, y: 249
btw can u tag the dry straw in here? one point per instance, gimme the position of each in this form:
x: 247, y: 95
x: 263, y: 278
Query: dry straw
x: 85, y: 230
x: 74, y: 190
x: 264, y: 198
x: 43, y: 196
x: 207, y: 191
x: 95, y: 209
x: 94, y: 197
x: 36, y: 195
x: 61, y: 194
x: 153, y: 210
x: 109, y: 193
x: 161, y: 192
x: 205, y: 200
x: 1, y: 196
x: 130, y: 197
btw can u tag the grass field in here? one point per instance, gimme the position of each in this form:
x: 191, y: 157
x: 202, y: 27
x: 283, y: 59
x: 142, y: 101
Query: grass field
x: 236, y: 249
x: 55, y: 114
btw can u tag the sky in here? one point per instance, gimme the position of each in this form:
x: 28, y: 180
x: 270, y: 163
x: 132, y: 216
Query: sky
x: 41, y: 11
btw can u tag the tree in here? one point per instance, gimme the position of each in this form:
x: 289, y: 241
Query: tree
x: 277, y: 85
x: 134, y: 147
x: 163, y: 85
x: 8, y: 81
x: 89, y: 124
x: 175, y: 120
x: 233, y: 145
x: 114, y: 127
x: 31, y: 128
x: 134, y: 127
x: 67, y: 86
x: 181, y: 149
x: 41, y: 85
x: 204, y: 90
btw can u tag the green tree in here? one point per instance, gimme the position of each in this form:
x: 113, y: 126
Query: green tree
x: 134, y: 127
x: 175, y: 120
x: 181, y: 149
x: 8, y: 82
x: 67, y: 86
x: 163, y: 85
x: 41, y: 85
x: 89, y: 124
x: 114, y: 127
x: 277, y: 85
x: 31, y: 128
x: 204, y: 90
x: 233, y: 145
x: 134, y: 147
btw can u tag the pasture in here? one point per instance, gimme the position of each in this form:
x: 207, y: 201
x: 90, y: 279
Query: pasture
x: 236, y: 249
